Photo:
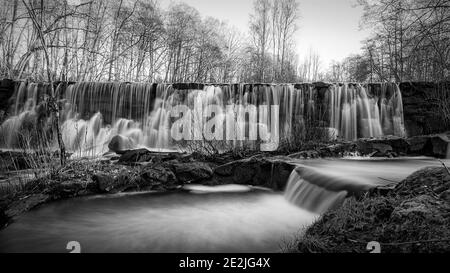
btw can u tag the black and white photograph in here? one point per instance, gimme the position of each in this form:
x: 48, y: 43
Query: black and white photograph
x: 243, y: 127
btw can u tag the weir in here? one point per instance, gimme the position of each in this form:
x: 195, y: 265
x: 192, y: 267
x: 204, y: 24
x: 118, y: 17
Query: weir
x: 93, y: 113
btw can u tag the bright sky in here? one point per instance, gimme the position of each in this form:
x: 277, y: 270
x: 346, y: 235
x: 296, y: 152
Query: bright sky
x: 329, y: 27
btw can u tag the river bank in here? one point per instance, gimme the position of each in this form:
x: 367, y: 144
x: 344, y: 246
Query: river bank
x: 413, y: 216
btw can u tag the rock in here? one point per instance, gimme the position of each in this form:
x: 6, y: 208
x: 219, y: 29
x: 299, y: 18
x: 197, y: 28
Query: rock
x: 192, y: 172
x: 441, y: 144
x: 25, y: 204
x: 382, y: 150
x: 399, y: 144
x: 266, y: 172
x: 105, y: 182
x: 133, y: 157
x: 417, y: 144
x: 156, y: 174
x: 120, y: 144
x: 383, y: 147
x: 338, y: 150
x: 380, y: 147
x: 430, y: 145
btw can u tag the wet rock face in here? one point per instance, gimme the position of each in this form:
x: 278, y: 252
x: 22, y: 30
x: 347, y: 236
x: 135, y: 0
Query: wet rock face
x: 420, y: 107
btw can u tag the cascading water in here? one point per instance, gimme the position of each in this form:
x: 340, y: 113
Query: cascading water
x: 307, y: 195
x: 93, y: 113
x: 322, y: 184
x: 355, y: 113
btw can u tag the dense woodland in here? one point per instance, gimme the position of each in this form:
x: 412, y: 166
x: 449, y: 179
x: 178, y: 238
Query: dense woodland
x: 138, y: 40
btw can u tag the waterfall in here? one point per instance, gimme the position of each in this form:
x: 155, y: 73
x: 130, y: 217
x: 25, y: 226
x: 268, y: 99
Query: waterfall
x: 318, y: 190
x: 311, y: 197
x: 355, y: 113
x: 93, y: 113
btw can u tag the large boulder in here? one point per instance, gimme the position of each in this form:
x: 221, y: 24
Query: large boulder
x: 156, y: 176
x: 374, y: 147
x: 266, y: 172
x: 430, y: 145
x: 120, y: 144
x: 191, y: 172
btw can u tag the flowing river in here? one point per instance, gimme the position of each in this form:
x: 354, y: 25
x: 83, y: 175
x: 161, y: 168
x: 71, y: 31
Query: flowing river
x: 201, y: 219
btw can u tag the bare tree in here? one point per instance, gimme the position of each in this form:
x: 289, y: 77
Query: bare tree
x: 52, y: 102
x: 260, y: 31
